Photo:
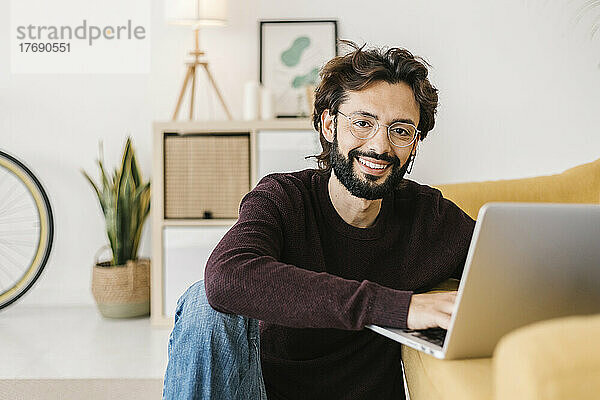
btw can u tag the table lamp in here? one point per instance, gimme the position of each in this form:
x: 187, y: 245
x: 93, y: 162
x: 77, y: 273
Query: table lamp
x: 197, y: 13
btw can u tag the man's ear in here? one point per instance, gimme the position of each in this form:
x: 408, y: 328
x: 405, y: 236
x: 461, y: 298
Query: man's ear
x: 328, y: 125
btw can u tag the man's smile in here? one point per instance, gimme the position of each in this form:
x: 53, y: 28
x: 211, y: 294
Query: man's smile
x: 372, y: 167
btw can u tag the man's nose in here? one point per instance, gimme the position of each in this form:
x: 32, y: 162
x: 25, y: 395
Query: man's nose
x: 380, y: 142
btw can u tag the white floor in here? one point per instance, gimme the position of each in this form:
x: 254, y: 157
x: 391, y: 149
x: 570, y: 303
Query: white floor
x: 62, y: 353
x: 78, y: 343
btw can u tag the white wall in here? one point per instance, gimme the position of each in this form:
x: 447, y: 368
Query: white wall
x: 518, y: 84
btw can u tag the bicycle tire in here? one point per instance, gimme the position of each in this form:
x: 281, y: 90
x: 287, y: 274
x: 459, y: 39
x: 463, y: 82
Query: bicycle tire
x: 46, y: 236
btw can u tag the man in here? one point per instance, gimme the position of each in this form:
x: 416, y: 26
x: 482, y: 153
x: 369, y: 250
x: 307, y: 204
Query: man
x: 317, y: 255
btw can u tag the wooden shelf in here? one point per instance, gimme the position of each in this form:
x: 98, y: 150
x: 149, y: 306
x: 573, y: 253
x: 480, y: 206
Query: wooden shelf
x: 198, y: 222
x: 186, y: 127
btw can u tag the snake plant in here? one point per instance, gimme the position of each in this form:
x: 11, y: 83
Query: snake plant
x: 125, y: 202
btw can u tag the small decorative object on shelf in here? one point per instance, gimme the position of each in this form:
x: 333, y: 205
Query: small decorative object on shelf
x: 251, y: 103
x: 121, y: 287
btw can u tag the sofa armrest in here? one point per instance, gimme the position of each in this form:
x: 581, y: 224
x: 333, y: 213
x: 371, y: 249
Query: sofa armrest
x: 554, y: 360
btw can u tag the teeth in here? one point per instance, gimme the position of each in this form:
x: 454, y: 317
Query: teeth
x: 371, y: 165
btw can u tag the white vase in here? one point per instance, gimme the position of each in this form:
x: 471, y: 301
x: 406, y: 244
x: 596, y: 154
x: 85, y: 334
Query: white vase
x: 251, y: 100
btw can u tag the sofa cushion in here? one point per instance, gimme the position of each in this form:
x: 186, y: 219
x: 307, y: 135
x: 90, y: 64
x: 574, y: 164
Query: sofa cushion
x: 529, y: 364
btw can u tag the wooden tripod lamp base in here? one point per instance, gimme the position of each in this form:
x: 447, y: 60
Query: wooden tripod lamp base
x: 190, y: 81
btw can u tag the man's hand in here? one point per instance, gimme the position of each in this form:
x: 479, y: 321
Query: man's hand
x: 430, y: 310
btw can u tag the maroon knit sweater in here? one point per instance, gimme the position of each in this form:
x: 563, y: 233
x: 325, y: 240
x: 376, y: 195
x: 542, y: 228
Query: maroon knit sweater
x: 315, y: 281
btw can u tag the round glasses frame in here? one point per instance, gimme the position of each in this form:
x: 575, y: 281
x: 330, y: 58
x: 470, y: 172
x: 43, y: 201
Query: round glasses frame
x: 376, y: 129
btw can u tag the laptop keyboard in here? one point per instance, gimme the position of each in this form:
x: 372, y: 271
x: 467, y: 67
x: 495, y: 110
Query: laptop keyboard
x: 433, y: 335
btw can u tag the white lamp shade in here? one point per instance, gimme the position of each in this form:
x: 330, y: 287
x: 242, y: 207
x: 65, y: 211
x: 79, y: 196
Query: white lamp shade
x: 196, y: 12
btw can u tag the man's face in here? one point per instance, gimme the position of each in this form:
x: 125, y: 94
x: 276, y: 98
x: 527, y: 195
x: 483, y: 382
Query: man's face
x: 352, y: 159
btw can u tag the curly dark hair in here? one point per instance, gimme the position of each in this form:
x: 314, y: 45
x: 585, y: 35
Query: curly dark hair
x: 362, y: 67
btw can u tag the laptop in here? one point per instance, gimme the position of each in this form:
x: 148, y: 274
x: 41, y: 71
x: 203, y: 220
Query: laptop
x: 527, y: 262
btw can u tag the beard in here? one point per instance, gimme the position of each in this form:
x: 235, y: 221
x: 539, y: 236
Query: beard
x: 343, y: 167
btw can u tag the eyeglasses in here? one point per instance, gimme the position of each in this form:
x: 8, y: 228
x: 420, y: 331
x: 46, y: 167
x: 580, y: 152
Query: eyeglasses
x: 365, y: 127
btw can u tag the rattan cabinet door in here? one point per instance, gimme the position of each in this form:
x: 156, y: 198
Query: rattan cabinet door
x: 206, y: 175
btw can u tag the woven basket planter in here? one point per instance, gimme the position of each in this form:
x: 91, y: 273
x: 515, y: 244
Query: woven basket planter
x: 122, y: 291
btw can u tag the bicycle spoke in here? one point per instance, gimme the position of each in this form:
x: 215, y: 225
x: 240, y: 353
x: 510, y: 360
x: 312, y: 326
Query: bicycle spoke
x: 9, y: 220
x: 10, y: 207
x: 4, y: 287
x: 25, y: 207
x: 3, y: 265
x: 20, y: 232
x: 14, y: 250
x: 19, y: 242
x: 6, y: 272
x: 7, y: 194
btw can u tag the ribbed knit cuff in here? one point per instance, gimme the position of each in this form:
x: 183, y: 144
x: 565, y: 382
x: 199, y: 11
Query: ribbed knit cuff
x: 389, y: 307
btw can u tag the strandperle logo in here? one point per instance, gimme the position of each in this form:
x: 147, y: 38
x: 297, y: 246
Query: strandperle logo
x: 85, y: 31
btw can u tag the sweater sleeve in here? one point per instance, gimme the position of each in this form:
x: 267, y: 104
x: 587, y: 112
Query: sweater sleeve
x: 455, y: 230
x: 244, y: 276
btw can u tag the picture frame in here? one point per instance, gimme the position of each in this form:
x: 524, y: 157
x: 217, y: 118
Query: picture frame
x: 291, y: 54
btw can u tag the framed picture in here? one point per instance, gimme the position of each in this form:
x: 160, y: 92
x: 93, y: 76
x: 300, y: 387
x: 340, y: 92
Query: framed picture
x: 291, y: 55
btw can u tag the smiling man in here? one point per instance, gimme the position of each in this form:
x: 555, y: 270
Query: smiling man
x: 317, y: 255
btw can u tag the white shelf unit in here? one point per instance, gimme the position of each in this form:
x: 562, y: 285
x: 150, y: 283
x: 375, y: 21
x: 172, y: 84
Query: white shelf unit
x: 275, y: 146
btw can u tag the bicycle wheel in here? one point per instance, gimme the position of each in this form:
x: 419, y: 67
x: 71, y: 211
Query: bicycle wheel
x: 26, y: 229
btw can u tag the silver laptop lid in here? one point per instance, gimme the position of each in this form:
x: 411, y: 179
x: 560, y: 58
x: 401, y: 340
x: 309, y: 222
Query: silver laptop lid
x: 527, y: 262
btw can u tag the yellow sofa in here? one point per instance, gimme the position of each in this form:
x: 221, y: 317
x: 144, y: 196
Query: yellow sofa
x: 556, y: 359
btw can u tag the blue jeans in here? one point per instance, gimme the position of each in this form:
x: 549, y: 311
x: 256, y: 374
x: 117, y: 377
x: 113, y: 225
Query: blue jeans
x: 212, y: 355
